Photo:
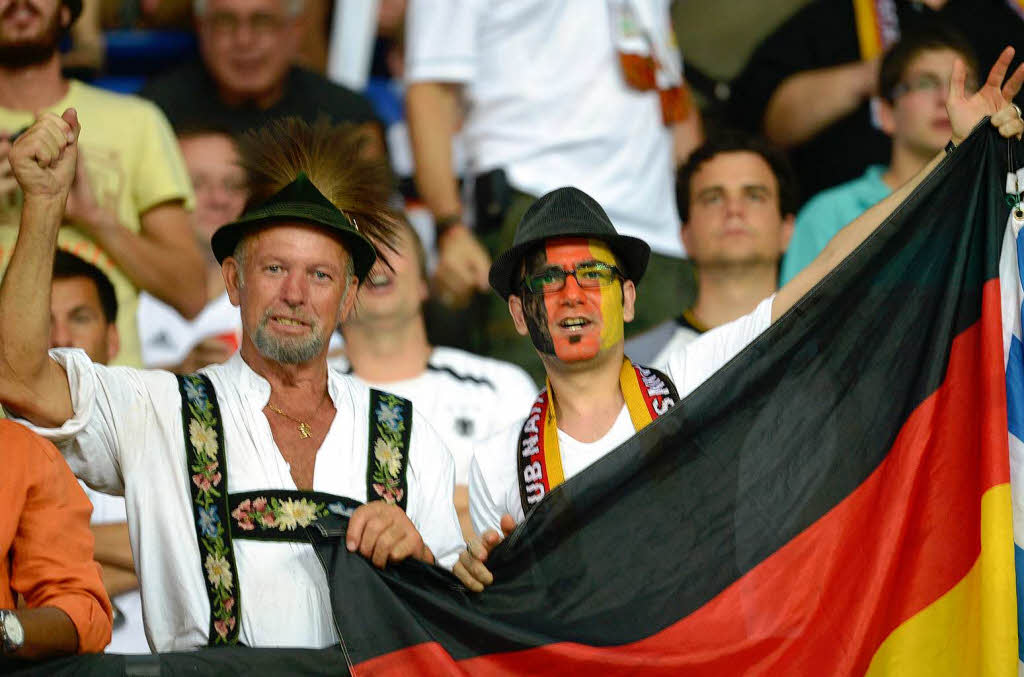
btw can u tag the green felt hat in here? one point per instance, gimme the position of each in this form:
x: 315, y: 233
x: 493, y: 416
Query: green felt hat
x: 300, y: 200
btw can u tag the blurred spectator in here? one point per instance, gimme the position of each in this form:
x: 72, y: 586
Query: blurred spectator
x: 810, y: 84
x: 87, y: 51
x: 246, y: 75
x: 83, y: 308
x: 464, y: 396
x: 126, y: 212
x: 912, y: 111
x: 555, y: 92
x: 737, y: 196
x: 47, y: 549
x: 169, y: 341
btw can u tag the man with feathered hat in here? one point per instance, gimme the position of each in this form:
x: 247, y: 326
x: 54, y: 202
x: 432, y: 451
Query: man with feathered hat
x: 229, y: 474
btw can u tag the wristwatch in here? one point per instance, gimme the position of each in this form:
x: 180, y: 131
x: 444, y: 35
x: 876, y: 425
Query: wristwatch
x: 12, y: 635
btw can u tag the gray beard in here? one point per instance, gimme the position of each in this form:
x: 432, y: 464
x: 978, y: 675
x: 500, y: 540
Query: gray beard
x: 295, y: 351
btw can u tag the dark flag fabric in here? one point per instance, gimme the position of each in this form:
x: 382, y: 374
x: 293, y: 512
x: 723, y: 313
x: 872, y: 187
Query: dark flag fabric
x: 834, y: 501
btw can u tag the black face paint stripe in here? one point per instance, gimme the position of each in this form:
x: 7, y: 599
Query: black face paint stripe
x: 534, y: 310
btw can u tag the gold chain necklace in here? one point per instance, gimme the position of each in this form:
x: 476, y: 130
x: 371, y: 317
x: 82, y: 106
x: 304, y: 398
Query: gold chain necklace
x: 304, y: 430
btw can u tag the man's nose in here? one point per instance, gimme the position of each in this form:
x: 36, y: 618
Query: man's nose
x: 294, y: 288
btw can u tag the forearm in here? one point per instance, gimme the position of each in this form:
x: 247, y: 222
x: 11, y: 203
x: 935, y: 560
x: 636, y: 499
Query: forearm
x: 112, y: 545
x: 25, y: 316
x: 49, y: 632
x: 171, y: 271
x: 25, y: 291
x: 432, y: 111
x: 808, y: 102
x: 845, y: 241
x: 117, y: 580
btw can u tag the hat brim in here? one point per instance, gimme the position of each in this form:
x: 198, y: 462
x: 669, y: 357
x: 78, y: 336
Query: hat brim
x: 227, y: 237
x: 632, y: 253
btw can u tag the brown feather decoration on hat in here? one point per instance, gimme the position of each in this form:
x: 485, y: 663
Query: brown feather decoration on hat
x: 335, y: 158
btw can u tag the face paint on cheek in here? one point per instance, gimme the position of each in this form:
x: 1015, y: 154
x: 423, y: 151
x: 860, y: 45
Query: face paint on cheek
x: 535, y: 311
x: 611, y: 312
x: 572, y: 346
x: 611, y: 299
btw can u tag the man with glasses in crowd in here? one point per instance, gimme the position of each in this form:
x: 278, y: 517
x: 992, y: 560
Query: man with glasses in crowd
x: 570, y: 282
x: 912, y: 110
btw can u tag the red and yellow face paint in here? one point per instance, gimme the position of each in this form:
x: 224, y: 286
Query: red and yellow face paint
x: 573, y: 323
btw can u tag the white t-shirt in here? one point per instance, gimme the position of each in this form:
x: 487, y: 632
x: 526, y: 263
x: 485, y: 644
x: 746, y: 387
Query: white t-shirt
x: 167, y: 337
x: 493, y: 473
x: 466, y: 397
x: 126, y: 437
x: 547, y: 102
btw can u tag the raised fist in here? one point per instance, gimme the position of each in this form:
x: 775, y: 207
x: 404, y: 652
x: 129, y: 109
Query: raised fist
x: 44, y: 158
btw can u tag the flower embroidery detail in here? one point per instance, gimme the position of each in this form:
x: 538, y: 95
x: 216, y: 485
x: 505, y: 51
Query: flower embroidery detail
x: 209, y: 521
x: 195, y: 392
x: 338, y: 508
x: 390, y: 415
x: 203, y: 451
x: 388, y: 447
x: 224, y: 626
x: 390, y: 495
x: 218, y: 571
x: 283, y: 515
x: 388, y: 456
x: 203, y: 437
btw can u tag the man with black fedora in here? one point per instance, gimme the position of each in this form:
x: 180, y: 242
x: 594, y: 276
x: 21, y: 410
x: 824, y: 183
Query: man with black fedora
x: 227, y: 472
x: 571, y: 282
x: 127, y: 211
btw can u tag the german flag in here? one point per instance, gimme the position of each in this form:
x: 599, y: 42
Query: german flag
x: 834, y: 501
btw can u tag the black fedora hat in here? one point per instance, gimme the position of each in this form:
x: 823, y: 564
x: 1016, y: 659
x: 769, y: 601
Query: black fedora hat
x: 566, y: 212
x: 300, y: 200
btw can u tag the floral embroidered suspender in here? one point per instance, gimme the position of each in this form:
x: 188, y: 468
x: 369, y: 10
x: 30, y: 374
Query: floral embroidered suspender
x: 204, y: 457
x: 276, y: 514
x: 390, y: 430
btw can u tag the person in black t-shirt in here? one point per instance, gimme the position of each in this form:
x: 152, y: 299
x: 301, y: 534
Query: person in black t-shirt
x: 246, y: 75
x: 809, y: 85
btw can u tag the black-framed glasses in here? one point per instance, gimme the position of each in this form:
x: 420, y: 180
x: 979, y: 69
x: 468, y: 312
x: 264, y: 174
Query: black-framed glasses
x: 588, y: 276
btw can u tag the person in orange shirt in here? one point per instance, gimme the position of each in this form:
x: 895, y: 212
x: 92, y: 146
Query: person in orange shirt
x: 46, y: 555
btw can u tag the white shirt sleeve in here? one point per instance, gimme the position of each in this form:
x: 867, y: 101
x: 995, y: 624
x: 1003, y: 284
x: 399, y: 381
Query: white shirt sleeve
x: 493, y: 481
x: 431, y: 507
x: 90, y: 440
x: 695, y: 362
x: 440, y: 39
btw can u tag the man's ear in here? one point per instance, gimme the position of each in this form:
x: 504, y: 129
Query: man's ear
x: 515, y: 308
x: 232, y: 282
x: 628, y: 300
x: 65, y: 17
x: 684, y: 235
x: 113, y: 341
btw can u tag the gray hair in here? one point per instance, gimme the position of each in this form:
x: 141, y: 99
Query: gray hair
x: 293, y: 8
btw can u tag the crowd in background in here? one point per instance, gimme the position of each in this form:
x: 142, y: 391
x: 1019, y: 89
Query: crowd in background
x: 736, y: 180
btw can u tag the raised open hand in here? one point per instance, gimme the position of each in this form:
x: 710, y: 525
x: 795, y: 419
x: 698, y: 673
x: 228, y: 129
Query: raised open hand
x: 993, y: 97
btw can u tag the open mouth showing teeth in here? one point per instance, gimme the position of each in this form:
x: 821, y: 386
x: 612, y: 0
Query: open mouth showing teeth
x: 289, y: 322
x: 379, y: 280
x: 573, y: 323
